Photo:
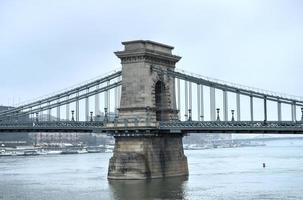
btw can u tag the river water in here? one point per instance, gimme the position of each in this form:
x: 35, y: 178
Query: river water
x: 230, y: 173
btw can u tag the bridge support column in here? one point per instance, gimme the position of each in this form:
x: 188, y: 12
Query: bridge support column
x: 116, y: 101
x: 87, y: 108
x: 212, y: 96
x: 238, y: 107
x: 67, y: 110
x: 107, y: 98
x: 198, y: 102
x: 186, y: 100
x: 148, y: 157
x: 293, y: 112
x: 58, y: 111
x: 97, y: 103
x: 251, y: 101
x: 179, y: 98
x: 49, y: 112
x: 202, y: 103
x: 279, y: 111
x: 265, y: 109
x: 119, y: 96
x: 190, y: 97
x: 77, y: 109
x: 225, y: 106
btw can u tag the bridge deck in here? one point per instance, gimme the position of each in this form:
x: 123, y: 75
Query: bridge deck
x: 173, y: 127
x: 52, y: 126
x: 269, y: 127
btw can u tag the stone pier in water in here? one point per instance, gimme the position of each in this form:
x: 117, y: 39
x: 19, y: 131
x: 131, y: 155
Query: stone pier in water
x: 147, y: 98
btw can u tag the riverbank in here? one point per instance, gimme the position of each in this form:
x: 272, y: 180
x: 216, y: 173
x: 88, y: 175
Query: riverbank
x: 36, y: 151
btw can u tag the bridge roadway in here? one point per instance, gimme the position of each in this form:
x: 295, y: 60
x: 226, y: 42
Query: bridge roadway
x: 52, y: 126
x: 174, y: 127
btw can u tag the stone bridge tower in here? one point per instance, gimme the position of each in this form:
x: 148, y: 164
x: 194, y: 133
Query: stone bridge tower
x: 147, y: 97
x: 142, y: 89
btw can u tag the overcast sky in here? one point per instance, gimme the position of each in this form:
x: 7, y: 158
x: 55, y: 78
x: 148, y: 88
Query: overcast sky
x: 46, y: 46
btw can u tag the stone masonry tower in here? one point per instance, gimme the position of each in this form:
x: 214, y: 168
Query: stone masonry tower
x: 147, y: 96
x: 141, y: 88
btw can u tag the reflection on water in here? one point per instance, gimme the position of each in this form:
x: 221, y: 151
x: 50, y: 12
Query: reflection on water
x: 168, y: 188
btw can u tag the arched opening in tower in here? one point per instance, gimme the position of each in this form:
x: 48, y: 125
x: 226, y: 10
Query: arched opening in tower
x: 160, y: 100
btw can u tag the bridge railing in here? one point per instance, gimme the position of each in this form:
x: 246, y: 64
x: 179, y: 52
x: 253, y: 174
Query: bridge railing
x: 53, y: 124
x: 131, y: 123
x: 231, y: 124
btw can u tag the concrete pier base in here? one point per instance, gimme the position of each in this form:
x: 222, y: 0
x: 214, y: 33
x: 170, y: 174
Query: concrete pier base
x: 148, y: 157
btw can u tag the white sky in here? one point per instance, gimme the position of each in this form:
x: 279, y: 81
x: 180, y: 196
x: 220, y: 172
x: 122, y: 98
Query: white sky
x: 46, y: 46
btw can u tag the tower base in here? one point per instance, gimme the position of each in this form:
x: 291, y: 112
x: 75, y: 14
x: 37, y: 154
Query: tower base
x: 145, y: 157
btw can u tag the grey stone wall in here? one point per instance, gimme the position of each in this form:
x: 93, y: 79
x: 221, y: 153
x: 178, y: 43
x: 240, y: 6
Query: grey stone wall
x: 138, y: 81
x: 148, y: 157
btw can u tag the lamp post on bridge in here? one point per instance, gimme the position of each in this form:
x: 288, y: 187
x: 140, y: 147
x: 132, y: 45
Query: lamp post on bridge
x: 189, y: 113
x: 37, y: 117
x: 73, y: 112
x: 232, y: 115
x: 185, y: 116
x: 91, y: 116
x: 302, y: 114
x: 218, y: 114
x: 105, y: 115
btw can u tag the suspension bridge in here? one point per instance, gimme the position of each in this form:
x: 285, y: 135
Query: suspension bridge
x: 146, y: 117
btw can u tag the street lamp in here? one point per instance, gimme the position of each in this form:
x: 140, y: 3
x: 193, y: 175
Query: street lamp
x: 105, y: 115
x: 73, y: 119
x: 37, y: 117
x: 91, y: 116
x: 218, y: 114
x: 232, y: 115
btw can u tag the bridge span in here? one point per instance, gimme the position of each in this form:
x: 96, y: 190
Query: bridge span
x: 148, y: 113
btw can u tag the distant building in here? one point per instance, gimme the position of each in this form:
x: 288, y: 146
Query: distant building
x: 90, y: 139
x: 21, y: 118
x: 39, y: 138
x: 204, y: 138
x: 14, y: 139
x: 3, y: 108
